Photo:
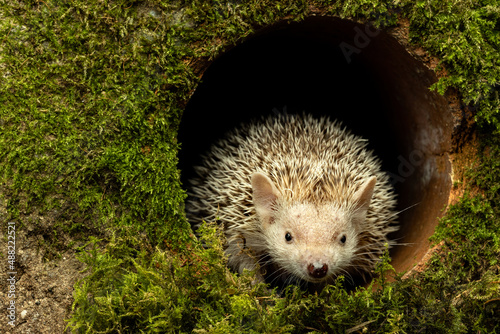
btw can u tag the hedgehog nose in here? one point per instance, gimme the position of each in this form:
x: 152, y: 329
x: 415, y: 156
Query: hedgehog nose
x: 316, y: 271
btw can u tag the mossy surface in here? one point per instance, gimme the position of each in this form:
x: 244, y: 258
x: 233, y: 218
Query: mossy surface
x: 91, y: 96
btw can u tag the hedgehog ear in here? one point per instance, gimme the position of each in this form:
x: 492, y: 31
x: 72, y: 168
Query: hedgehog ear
x: 363, y: 198
x: 265, y: 195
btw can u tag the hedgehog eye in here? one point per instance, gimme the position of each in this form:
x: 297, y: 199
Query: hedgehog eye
x: 288, y: 237
x: 343, y: 239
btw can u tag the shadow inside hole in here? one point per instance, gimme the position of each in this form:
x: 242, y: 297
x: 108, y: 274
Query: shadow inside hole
x: 284, y: 71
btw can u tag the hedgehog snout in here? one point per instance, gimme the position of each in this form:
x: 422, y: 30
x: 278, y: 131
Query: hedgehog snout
x: 317, y: 270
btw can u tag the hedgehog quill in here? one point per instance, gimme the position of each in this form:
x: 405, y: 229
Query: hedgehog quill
x: 301, y: 199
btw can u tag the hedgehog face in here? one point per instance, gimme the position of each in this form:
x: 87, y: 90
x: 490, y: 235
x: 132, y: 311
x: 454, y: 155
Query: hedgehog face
x: 313, y: 242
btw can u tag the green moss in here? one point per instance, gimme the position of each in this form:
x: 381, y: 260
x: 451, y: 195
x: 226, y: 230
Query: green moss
x: 133, y: 288
x: 88, y: 120
x: 90, y: 102
x: 466, y: 37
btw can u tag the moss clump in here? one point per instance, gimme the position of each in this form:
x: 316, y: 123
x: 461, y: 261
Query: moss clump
x: 90, y: 101
x: 132, y: 289
x: 466, y: 37
x: 92, y: 96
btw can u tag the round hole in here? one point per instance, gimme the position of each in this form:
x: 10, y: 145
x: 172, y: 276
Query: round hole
x: 350, y: 72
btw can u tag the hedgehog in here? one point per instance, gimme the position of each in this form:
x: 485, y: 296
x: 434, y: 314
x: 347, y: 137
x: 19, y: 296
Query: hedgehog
x: 301, y: 199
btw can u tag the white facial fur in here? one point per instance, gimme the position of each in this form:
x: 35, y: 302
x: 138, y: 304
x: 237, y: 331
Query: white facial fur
x: 313, y: 242
x: 305, y: 234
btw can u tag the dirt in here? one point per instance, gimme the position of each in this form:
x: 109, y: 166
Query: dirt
x: 43, y: 292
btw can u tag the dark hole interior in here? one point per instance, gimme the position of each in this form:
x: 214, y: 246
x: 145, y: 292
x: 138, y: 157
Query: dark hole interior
x: 378, y: 91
